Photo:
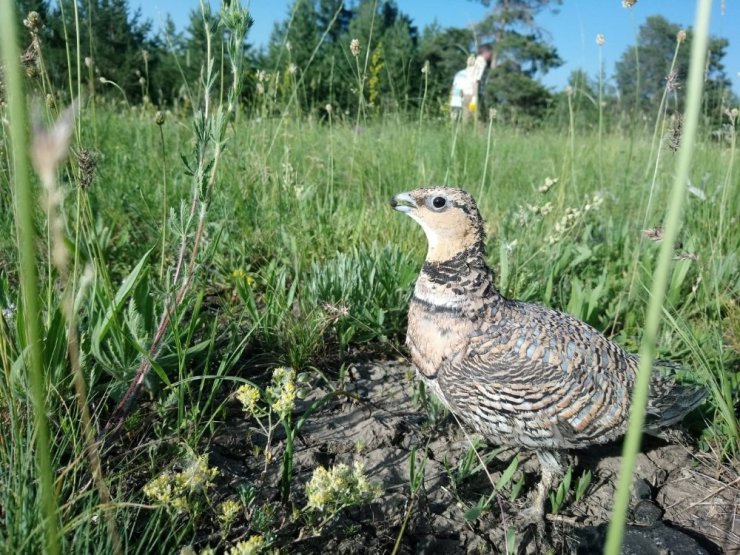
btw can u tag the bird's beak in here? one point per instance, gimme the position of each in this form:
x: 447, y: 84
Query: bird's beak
x: 403, y: 202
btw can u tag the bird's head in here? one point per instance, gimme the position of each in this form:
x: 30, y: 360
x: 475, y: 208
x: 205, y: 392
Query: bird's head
x: 449, y: 217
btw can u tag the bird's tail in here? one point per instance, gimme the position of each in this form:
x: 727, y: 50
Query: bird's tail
x: 670, y: 402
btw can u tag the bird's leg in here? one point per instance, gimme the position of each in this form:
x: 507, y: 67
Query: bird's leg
x: 551, y: 469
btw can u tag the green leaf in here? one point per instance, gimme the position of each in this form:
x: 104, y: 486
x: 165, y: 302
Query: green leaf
x: 103, y: 327
x: 511, y: 539
x: 582, y: 485
x: 508, y: 473
x: 473, y: 512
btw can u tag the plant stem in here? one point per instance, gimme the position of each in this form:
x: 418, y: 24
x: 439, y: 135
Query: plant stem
x: 660, y: 283
x: 164, y: 201
x: 487, y: 159
x: 24, y: 209
x: 287, y: 460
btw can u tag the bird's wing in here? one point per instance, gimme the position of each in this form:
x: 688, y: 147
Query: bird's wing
x: 547, y: 368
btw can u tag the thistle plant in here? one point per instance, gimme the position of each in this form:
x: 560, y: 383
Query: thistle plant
x: 209, y: 130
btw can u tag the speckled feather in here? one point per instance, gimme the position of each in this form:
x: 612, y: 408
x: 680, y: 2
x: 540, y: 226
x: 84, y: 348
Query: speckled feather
x: 519, y: 373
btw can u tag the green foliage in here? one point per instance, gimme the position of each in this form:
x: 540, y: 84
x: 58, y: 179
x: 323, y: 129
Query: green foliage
x: 518, y: 95
x: 557, y: 498
x: 642, y: 85
x: 446, y: 50
x: 582, y: 484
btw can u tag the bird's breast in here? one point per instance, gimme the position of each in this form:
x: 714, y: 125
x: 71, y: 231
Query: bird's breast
x: 439, y: 326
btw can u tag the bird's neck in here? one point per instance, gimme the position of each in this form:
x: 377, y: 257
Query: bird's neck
x: 465, y: 274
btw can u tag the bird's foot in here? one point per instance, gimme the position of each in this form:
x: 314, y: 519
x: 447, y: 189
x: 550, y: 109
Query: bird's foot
x: 531, y: 515
x: 531, y: 523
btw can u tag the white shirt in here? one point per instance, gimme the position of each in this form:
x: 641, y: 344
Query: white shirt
x: 461, y: 86
x: 477, y: 69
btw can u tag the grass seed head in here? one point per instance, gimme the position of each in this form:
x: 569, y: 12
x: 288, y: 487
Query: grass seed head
x: 33, y: 22
x: 672, y: 82
x: 88, y: 164
x: 674, y: 135
x: 354, y: 47
x: 654, y: 234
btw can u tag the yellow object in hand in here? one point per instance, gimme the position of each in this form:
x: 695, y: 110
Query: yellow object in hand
x: 473, y: 105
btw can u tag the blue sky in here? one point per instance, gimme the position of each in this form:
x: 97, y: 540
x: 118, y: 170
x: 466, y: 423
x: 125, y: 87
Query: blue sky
x: 572, y: 29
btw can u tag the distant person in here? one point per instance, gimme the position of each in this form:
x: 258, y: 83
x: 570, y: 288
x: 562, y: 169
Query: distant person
x: 467, y: 84
x: 462, y: 95
x: 479, y: 74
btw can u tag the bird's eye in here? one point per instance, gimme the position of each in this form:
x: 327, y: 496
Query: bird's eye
x: 439, y: 202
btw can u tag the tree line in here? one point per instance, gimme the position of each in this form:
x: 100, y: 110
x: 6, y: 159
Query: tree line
x: 308, y: 65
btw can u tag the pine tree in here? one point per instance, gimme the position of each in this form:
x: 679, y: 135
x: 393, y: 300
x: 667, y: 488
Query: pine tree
x: 520, y: 53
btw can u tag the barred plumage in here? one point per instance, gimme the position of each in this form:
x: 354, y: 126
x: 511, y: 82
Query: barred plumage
x: 520, y: 374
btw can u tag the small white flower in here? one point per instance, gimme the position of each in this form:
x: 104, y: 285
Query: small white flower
x: 354, y: 47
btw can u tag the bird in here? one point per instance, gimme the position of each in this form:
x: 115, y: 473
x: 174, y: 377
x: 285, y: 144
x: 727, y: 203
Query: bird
x: 520, y: 374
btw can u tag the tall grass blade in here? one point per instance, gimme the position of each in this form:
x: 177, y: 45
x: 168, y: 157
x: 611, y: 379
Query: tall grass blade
x: 662, y: 275
x: 24, y: 210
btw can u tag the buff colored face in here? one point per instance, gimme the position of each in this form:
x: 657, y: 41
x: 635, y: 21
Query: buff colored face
x: 446, y: 217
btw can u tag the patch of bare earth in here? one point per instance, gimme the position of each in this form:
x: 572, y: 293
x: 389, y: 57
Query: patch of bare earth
x: 683, y: 501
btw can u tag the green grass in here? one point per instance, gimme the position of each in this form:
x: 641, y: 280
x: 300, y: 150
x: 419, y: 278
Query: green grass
x: 299, y: 227
x: 301, y: 262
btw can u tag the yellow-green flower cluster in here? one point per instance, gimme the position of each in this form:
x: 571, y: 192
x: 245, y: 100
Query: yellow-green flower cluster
x: 547, y: 185
x: 228, y: 511
x: 188, y: 550
x: 250, y: 547
x: 173, y: 489
x: 197, y: 476
x: 283, y: 390
x: 240, y: 276
x: 340, y: 486
x: 248, y: 395
x: 162, y: 491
